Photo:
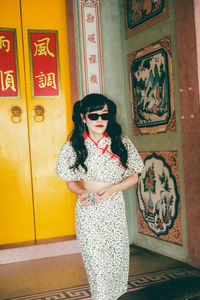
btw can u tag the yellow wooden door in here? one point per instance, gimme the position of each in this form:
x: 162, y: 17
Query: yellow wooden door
x: 54, y: 205
x: 50, y: 209
x: 16, y: 202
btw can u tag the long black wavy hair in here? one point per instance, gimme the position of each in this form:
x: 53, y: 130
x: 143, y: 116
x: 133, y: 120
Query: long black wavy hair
x: 90, y: 103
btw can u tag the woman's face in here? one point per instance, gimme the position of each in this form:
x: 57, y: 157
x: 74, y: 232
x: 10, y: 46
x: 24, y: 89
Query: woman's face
x: 96, y: 127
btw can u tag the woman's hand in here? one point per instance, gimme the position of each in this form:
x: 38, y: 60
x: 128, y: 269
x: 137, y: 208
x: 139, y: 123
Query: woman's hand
x: 104, y: 194
x: 85, y: 199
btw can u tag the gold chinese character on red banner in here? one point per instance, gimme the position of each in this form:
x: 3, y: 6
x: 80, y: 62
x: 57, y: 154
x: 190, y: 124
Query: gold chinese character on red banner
x: 45, y: 73
x: 45, y: 80
x: 42, y: 47
x: 4, y: 43
x: 7, y: 80
x: 9, y: 76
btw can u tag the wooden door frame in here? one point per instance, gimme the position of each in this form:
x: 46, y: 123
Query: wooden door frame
x: 72, y: 49
x: 189, y: 105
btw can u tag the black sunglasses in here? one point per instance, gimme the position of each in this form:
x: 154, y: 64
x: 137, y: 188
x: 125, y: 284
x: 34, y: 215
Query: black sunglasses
x: 95, y: 117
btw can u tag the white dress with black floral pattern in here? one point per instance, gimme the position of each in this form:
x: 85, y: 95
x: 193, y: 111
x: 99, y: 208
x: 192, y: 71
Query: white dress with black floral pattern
x: 101, y: 228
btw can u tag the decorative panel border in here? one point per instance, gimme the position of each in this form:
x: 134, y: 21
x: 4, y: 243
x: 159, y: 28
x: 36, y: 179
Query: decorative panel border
x: 44, y: 64
x: 139, y: 15
x: 152, y: 89
x: 9, y: 70
x: 91, y: 46
x: 158, y: 190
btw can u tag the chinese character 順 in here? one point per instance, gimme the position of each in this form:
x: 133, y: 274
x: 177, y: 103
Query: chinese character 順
x: 7, y: 80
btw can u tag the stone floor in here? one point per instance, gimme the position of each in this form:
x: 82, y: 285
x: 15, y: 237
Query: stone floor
x: 63, y: 272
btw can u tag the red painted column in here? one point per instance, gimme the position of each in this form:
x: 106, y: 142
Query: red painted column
x: 190, y: 120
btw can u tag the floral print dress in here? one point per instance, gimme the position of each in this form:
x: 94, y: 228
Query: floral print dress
x: 101, y: 228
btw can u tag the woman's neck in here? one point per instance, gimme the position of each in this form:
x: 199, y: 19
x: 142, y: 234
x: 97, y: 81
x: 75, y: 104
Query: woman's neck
x: 95, y: 137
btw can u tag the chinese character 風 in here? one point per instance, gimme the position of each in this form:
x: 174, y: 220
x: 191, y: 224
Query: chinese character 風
x: 46, y: 80
x: 4, y: 43
x: 7, y: 80
x: 42, y: 47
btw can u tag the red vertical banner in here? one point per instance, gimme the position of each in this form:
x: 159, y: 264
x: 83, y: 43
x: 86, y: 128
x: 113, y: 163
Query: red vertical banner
x: 44, y: 57
x: 9, y: 80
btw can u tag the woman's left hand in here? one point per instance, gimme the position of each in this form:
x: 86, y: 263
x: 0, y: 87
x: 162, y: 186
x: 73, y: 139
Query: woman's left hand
x: 104, y: 194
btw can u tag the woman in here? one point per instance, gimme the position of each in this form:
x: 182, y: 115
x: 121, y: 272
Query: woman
x: 98, y: 164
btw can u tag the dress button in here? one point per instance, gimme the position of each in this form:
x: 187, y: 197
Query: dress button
x: 104, y: 150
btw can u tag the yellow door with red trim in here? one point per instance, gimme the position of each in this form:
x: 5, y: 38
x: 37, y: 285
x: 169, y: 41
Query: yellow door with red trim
x: 35, y: 204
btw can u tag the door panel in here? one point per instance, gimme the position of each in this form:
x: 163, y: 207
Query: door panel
x: 16, y: 206
x: 54, y: 204
x: 34, y: 203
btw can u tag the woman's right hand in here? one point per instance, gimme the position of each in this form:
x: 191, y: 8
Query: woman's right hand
x: 85, y: 199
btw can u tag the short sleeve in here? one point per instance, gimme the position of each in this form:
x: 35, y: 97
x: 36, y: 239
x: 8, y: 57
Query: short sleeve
x: 66, y: 159
x: 134, y: 161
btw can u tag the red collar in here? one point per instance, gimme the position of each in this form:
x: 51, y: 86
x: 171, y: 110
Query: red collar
x: 85, y: 135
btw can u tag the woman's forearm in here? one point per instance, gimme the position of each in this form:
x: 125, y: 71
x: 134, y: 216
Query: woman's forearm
x: 126, y: 183
x: 106, y: 192
x: 75, y: 187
